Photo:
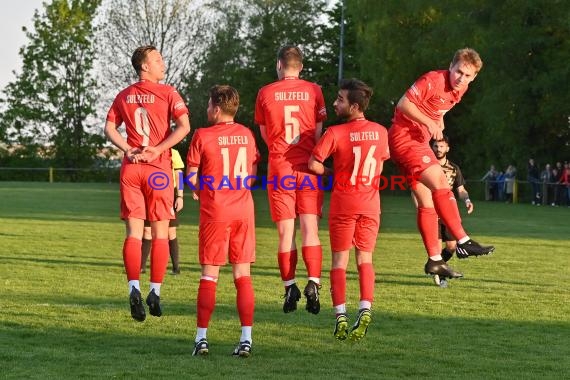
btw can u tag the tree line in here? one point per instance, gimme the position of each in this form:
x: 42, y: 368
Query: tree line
x: 78, y: 57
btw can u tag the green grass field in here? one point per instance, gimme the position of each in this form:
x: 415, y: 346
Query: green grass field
x: 64, y: 310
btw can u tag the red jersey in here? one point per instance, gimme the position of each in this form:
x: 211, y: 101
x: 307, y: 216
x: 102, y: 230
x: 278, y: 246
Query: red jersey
x: 358, y: 148
x: 225, y: 154
x: 433, y: 95
x: 147, y: 109
x: 290, y: 109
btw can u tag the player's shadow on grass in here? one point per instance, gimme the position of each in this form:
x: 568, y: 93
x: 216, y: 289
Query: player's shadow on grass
x: 398, y: 345
x: 73, y: 262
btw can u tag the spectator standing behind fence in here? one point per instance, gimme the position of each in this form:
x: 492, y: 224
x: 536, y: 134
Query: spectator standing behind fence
x: 533, y: 178
x: 500, y: 186
x: 490, y: 179
x: 565, y: 184
x: 557, y: 187
x: 510, y: 179
x: 546, y: 178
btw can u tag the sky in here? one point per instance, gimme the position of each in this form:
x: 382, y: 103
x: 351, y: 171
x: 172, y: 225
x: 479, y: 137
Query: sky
x: 13, y: 15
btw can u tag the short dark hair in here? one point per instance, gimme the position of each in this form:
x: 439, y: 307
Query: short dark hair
x: 290, y: 56
x: 139, y: 56
x: 226, y: 97
x: 444, y: 139
x: 358, y: 92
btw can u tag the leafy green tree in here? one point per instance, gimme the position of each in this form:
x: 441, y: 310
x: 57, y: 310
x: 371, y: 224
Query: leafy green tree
x: 516, y: 108
x: 49, y: 105
x: 244, y: 47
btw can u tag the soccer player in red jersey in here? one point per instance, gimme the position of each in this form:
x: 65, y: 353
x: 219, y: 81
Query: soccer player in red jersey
x: 417, y: 119
x: 290, y: 113
x: 359, y: 148
x: 147, y: 108
x: 224, y: 155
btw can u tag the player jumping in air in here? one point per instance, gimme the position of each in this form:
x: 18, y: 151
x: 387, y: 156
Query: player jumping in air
x: 417, y: 119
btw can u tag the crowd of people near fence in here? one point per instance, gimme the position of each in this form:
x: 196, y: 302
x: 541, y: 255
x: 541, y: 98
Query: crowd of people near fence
x: 549, y: 186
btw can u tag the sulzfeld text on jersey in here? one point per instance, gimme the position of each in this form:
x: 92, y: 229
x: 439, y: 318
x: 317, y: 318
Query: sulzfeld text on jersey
x: 291, y: 95
x: 232, y: 140
x: 140, y: 99
x: 364, y: 136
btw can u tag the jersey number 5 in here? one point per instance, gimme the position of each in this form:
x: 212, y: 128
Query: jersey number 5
x: 240, y: 164
x: 368, y: 166
x: 292, y: 125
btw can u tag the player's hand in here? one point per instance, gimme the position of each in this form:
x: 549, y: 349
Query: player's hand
x: 195, y: 195
x: 150, y: 153
x: 436, y: 130
x: 178, y: 204
x: 469, y: 206
x: 134, y: 155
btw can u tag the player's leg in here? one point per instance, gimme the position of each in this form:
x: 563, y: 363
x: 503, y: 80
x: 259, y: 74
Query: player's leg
x: 446, y: 206
x: 159, y: 212
x: 313, y: 259
x: 366, y: 282
x: 282, y: 200
x: 205, y: 305
x: 245, y: 301
x: 444, y: 235
x: 174, y: 247
x: 427, y: 221
x: 158, y: 263
x: 242, y: 255
x: 341, y: 233
x: 146, y: 244
x: 308, y: 206
x: 450, y: 247
x: 365, y: 235
x: 132, y: 261
x: 213, y: 241
x: 287, y: 259
x: 133, y: 212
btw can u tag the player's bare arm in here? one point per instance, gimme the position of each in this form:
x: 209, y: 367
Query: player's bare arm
x: 464, y: 196
x: 133, y: 154
x: 181, y: 130
x: 192, y: 172
x: 412, y: 111
x: 179, y: 201
x: 263, y: 131
x: 318, y: 168
x: 315, y: 166
x: 318, y: 131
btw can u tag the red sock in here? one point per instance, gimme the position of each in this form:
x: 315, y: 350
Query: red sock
x: 287, y: 264
x: 205, y: 303
x: 313, y: 258
x: 428, y: 226
x: 245, y: 300
x: 159, y: 255
x: 366, y: 280
x: 132, y: 257
x: 338, y: 286
x: 446, y: 207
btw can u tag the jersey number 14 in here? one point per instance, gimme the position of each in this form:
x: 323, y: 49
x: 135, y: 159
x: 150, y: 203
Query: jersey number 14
x: 240, y: 163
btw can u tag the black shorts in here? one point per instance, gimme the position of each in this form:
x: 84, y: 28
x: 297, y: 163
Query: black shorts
x: 444, y: 233
x: 173, y: 222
